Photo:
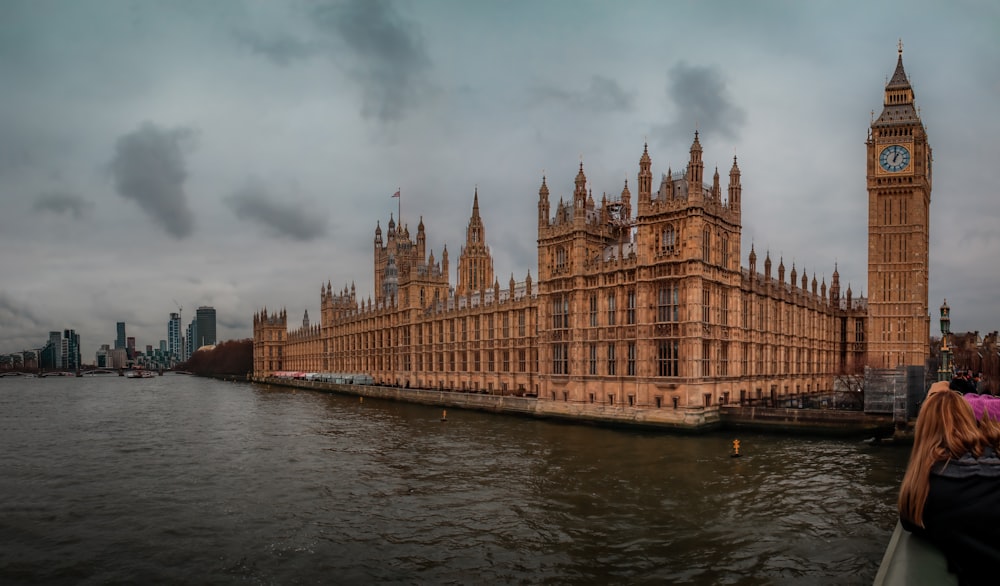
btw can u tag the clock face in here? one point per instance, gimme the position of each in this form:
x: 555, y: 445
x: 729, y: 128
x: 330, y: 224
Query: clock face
x: 894, y: 158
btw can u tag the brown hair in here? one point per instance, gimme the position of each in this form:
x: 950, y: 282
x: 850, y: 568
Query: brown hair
x: 946, y: 428
x: 991, y: 431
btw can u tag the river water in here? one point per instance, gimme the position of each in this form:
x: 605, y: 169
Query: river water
x: 177, y: 479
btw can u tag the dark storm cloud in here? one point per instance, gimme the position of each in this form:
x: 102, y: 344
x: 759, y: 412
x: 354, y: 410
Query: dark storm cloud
x: 281, y: 49
x: 62, y: 203
x: 603, y: 95
x: 149, y: 169
x: 699, y: 94
x: 389, y: 57
x: 284, y: 220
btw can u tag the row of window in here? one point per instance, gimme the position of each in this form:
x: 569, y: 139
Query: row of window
x: 711, y: 363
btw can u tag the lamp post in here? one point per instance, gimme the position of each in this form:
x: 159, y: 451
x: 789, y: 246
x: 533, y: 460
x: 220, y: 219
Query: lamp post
x: 944, y: 372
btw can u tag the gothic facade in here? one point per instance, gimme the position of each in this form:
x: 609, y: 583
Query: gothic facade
x: 645, y: 307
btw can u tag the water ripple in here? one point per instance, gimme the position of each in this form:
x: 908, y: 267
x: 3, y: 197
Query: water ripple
x: 196, y: 481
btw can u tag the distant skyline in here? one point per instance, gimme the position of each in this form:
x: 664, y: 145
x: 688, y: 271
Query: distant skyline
x: 239, y: 154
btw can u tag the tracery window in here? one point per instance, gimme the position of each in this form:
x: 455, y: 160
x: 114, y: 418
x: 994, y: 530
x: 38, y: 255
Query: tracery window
x: 560, y: 312
x: 668, y: 241
x: 667, y: 309
x: 667, y: 355
x: 560, y: 359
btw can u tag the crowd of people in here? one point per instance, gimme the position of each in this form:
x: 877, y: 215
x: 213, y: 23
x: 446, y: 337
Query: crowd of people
x: 965, y: 381
x: 950, y: 492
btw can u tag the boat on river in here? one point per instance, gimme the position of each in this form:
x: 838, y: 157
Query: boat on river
x: 140, y: 374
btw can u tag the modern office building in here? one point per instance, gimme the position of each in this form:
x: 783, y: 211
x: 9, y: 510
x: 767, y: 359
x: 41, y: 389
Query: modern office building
x: 55, y: 342
x: 638, y: 308
x: 71, y: 350
x: 120, y: 340
x: 102, y: 359
x: 205, y: 317
x: 51, y: 357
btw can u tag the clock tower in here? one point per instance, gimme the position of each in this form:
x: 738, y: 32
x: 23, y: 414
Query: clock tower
x: 899, y: 197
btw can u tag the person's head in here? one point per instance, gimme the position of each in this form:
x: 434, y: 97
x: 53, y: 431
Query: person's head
x: 946, y: 428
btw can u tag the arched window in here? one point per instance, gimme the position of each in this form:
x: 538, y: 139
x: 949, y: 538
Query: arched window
x: 560, y: 258
x: 724, y: 261
x: 668, y: 242
x: 706, y: 245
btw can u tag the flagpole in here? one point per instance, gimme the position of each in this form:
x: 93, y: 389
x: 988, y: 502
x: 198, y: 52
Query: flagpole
x: 399, y: 207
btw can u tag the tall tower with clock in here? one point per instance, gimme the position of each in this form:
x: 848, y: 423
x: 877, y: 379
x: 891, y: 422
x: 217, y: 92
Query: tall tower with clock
x: 899, y: 197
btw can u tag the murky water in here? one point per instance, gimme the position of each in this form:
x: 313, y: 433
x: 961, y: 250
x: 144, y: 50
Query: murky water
x: 185, y: 480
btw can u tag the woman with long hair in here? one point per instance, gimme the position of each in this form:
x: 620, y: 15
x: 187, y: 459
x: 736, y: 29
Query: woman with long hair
x: 951, y: 490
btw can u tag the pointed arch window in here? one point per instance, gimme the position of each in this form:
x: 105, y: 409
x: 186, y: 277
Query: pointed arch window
x: 560, y: 258
x: 668, y: 241
x: 724, y: 246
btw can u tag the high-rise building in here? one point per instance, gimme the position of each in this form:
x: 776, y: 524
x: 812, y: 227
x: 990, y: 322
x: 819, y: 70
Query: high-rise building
x: 120, y: 340
x: 51, y: 355
x: 71, y: 350
x: 130, y: 347
x: 174, y: 347
x: 205, y: 316
x: 190, y: 344
x: 55, y: 342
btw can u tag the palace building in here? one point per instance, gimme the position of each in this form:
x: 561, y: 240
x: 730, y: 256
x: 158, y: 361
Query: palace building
x: 639, y: 303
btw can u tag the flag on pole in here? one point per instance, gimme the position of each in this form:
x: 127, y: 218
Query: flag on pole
x: 396, y: 194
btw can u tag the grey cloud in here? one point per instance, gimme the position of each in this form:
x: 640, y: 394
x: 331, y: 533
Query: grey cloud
x: 603, y: 95
x: 149, y: 169
x: 19, y: 326
x: 286, y: 220
x: 60, y: 203
x: 699, y: 93
x: 15, y: 157
x: 280, y: 49
x: 233, y: 323
x: 389, y: 56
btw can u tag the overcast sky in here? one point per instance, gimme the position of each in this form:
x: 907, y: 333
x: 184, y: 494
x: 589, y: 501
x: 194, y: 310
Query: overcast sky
x: 239, y: 154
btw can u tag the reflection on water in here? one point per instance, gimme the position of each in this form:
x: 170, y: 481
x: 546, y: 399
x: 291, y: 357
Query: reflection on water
x: 180, y: 479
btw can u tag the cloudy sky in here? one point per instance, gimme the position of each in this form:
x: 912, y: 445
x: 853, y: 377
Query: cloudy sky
x: 238, y: 154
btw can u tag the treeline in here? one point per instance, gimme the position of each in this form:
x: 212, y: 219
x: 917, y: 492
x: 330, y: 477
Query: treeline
x: 234, y: 357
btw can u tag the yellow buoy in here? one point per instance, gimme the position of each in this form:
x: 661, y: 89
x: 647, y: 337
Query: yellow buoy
x: 361, y: 399
x: 444, y: 415
x: 736, y: 449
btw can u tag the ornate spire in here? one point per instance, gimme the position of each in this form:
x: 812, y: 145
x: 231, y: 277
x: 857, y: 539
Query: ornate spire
x: 696, y: 169
x: 580, y: 193
x: 898, y: 107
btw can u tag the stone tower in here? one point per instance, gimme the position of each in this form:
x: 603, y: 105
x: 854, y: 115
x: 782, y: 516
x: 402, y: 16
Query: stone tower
x: 899, y: 197
x: 475, y: 263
